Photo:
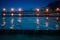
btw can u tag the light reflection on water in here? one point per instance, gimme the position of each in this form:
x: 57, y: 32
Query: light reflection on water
x: 32, y: 23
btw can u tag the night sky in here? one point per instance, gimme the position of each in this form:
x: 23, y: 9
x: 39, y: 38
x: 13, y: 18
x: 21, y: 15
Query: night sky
x: 24, y: 4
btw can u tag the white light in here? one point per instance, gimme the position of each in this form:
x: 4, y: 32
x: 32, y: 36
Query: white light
x: 47, y: 18
x: 37, y: 9
x: 46, y: 24
x: 19, y: 14
x: 4, y: 9
x: 12, y: 27
x: 20, y: 9
x: 12, y: 14
x: 12, y: 9
x: 37, y: 20
x: 12, y: 20
x: 4, y: 14
x: 19, y: 20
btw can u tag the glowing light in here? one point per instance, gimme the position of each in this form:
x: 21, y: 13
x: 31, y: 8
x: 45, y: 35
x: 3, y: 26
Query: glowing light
x: 4, y: 9
x: 4, y: 14
x: 57, y: 27
x: 57, y: 9
x: 12, y: 9
x: 37, y: 9
x: 12, y: 20
x: 19, y: 14
x: 47, y: 18
x: 37, y: 20
x: 19, y: 20
x: 57, y: 18
x: 19, y: 9
x: 47, y: 10
x: 46, y: 24
x: 12, y: 27
x: 12, y: 14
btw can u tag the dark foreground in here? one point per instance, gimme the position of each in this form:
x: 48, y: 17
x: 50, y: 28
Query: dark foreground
x: 29, y: 35
x: 31, y: 32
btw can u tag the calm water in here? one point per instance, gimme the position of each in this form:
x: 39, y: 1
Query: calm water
x: 30, y: 23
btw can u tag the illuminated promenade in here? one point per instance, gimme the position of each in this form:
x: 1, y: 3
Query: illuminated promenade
x: 37, y: 19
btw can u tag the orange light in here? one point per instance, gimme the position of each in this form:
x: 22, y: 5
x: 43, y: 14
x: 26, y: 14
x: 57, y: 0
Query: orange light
x: 47, y: 10
x: 57, y: 9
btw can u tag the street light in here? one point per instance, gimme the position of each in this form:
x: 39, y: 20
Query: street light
x: 4, y: 9
x: 47, y: 10
x: 37, y: 10
x: 12, y: 9
x: 57, y: 9
x: 19, y: 9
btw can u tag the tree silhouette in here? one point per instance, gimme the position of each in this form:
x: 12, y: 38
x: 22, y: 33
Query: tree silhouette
x: 54, y: 5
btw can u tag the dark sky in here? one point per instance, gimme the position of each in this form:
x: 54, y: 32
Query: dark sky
x: 24, y: 4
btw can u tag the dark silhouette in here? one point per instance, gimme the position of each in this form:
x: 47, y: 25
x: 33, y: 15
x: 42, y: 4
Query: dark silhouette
x: 54, y: 5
